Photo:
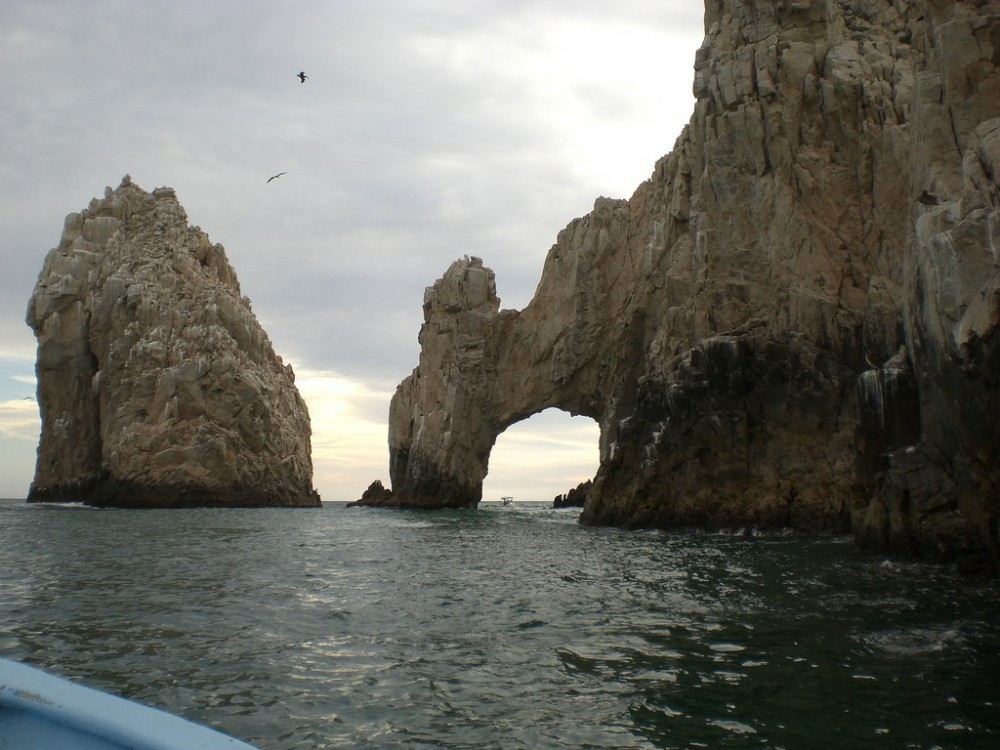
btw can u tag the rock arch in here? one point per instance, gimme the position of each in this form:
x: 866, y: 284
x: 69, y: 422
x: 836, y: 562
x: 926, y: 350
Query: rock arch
x: 483, y: 369
x: 729, y: 324
x: 543, y: 457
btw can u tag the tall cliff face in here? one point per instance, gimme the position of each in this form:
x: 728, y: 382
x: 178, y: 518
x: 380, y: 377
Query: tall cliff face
x: 780, y: 327
x: 156, y: 384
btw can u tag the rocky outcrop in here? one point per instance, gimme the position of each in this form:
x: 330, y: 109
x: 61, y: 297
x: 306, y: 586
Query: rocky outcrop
x: 792, y: 323
x: 376, y: 494
x: 575, y: 498
x: 156, y: 384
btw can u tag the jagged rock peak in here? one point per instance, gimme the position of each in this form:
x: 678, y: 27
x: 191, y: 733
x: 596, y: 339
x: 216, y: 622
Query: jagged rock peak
x: 834, y: 201
x: 156, y: 384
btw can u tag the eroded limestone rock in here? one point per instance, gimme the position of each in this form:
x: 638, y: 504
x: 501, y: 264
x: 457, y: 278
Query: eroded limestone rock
x: 156, y: 384
x: 773, y: 330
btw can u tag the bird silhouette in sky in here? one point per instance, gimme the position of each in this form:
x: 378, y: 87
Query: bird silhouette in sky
x: 302, y: 77
x: 276, y: 176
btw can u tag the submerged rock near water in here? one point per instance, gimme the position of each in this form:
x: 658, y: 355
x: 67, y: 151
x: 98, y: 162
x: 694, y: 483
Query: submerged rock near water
x: 792, y: 323
x: 156, y: 384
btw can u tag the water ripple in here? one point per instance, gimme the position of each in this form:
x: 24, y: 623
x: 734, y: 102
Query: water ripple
x: 511, y: 628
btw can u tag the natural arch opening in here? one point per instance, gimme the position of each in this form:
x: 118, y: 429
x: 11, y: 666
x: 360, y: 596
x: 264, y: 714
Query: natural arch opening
x: 543, y: 456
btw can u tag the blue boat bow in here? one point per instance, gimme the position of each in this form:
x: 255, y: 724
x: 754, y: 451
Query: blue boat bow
x: 41, y: 711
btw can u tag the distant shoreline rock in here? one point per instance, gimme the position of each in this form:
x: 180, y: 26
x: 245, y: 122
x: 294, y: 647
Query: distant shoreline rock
x: 375, y: 495
x: 157, y: 387
x: 575, y: 498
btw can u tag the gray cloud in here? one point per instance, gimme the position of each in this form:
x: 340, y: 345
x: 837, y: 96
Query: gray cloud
x: 426, y: 131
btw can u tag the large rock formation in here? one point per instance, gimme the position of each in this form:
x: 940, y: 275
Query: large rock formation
x: 780, y: 327
x: 156, y: 384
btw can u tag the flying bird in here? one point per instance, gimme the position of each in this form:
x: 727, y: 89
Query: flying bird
x: 928, y: 199
x: 302, y: 77
x: 274, y: 177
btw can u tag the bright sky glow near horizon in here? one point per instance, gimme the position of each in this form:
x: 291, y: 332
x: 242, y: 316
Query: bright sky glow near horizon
x: 427, y: 130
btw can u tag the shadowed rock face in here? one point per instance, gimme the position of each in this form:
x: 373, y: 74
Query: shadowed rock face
x: 773, y: 331
x: 157, y: 387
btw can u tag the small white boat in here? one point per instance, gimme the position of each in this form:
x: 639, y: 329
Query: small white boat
x: 507, y: 499
x: 41, y: 711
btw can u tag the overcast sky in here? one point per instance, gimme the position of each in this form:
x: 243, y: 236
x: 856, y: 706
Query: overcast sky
x: 427, y: 130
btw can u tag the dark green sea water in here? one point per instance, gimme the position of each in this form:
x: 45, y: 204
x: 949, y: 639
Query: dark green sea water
x: 506, y: 627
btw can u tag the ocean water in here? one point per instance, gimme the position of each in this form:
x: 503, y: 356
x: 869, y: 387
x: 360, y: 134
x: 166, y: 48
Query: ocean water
x: 504, y: 627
